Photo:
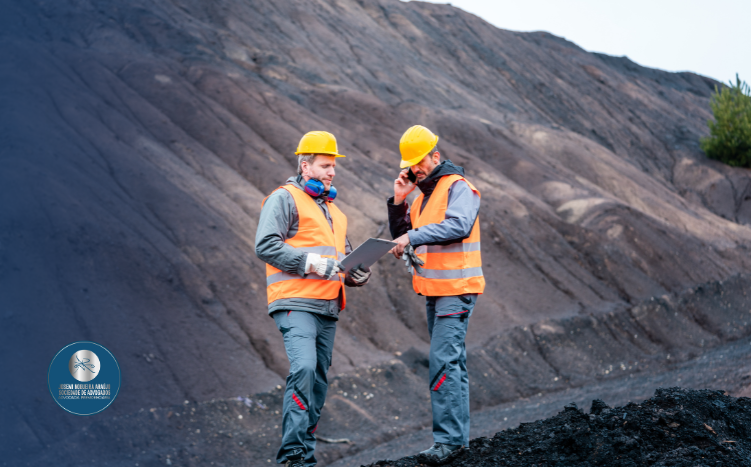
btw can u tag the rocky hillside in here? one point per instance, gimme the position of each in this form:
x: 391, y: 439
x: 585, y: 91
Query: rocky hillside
x: 139, y: 138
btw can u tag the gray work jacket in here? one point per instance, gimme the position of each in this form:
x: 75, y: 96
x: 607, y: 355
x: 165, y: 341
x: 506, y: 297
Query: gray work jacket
x: 461, y: 212
x: 279, y: 221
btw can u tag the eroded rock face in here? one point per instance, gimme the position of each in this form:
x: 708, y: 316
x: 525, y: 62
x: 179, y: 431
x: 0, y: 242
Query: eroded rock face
x: 140, y: 137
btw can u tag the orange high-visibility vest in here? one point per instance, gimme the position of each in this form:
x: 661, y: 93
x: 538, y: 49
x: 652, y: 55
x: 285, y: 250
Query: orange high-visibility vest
x: 453, y: 269
x: 314, y: 235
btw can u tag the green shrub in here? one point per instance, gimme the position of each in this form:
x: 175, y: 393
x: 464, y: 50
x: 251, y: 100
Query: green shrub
x: 729, y: 138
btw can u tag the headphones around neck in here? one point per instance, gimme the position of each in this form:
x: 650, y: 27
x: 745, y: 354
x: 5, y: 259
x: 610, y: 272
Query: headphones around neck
x: 316, y: 188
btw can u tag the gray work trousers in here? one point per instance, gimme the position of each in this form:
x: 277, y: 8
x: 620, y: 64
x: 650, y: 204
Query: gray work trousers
x: 309, y: 341
x: 448, y: 318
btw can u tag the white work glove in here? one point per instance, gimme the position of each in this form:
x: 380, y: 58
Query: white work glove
x: 412, y: 260
x: 360, y: 274
x: 324, y: 267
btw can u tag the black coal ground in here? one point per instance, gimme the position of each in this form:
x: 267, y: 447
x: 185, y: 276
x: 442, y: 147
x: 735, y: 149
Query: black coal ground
x: 676, y: 427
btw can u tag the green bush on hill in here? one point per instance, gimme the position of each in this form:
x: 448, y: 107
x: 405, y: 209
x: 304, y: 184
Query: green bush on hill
x: 729, y: 139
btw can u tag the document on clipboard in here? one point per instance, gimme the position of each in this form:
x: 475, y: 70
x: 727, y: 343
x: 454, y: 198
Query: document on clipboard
x: 367, y: 253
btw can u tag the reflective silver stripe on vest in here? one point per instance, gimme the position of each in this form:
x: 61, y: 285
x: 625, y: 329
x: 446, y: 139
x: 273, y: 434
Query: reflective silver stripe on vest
x: 283, y: 276
x: 319, y: 250
x: 340, y: 256
x: 452, y: 248
x: 451, y: 273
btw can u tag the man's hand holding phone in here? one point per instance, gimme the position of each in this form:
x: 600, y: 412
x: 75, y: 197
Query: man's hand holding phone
x: 403, y: 186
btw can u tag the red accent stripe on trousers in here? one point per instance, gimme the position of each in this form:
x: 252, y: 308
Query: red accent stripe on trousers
x: 294, y: 396
x: 440, y: 381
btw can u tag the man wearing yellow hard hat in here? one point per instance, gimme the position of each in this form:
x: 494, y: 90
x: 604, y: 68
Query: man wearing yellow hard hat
x: 302, y: 236
x: 439, y: 238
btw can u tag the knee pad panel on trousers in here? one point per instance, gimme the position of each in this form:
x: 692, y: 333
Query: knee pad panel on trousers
x: 303, y: 367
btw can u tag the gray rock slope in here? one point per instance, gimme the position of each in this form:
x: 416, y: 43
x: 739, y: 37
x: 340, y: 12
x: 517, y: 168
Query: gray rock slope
x: 139, y: 138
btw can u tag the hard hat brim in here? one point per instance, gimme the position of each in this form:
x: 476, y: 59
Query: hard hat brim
x: 405, y: 164
x: 319, y: 153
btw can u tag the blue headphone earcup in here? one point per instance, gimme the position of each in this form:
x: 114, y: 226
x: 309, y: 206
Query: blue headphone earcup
x: 332, y: 193
x: 314, y: 188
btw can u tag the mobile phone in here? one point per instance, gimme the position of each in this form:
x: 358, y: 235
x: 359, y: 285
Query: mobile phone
x: 412, y: 178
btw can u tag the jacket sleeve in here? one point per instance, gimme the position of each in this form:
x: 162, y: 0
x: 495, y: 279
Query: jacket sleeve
x: 399, y: 220
x: 278, y: 219
x: 461, y: 213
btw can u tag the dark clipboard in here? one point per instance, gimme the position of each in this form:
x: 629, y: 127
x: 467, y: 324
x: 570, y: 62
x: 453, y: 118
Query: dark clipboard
x: 367, y: 253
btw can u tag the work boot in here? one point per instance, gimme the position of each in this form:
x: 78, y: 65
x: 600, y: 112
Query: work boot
x: 442, y: 451
x: 295, y: 463
x: 295, y: 459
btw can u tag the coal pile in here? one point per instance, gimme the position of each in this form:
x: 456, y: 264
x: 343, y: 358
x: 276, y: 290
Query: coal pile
x: 677, y: 427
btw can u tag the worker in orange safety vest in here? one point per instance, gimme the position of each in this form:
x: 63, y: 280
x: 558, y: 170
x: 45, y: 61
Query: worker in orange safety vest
x: 439, y: 238
x: 302, y: 236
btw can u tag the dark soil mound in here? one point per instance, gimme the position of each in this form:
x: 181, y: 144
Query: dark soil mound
x: 677, y: 427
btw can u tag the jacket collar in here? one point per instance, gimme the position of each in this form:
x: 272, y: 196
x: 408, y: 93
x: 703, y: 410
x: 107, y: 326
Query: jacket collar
x: 444, y: 168
x: 297, y: 181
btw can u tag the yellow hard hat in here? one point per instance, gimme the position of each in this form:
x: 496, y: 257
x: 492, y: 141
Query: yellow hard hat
x: 318, y: 142
x: 415, y: 144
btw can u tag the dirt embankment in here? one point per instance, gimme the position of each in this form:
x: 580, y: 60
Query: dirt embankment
x: 385, y: 409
